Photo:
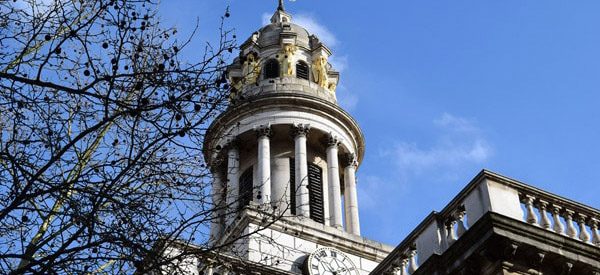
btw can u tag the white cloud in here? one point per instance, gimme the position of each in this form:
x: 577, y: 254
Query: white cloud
x: 460, y: 143
x: 339, y: 63
x: 314, y: 27
x: 345, y: 98
x: 266, y: 18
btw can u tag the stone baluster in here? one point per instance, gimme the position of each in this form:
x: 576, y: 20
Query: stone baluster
x: 264, y: 164
x: 209, y: 270
x: 397, y: 270
x: 451, y: 237
x: 403, y: 265
x: 595, y: 234
x: 558, y: 226
x: 545, y: 221
x: 333, y: 175
x: 460, y: 218
x: 571, y: 230
x: 300, y: 132
x: 583, y: 234
x: 412, y: 262
x: 531, y: 217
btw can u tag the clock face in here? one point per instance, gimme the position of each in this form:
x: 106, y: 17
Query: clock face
x: 329, y: 261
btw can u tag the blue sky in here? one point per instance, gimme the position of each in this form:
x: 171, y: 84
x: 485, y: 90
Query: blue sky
x: 443, y: 89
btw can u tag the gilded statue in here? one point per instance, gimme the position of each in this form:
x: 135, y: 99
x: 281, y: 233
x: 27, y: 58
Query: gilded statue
x: 236, y: 87
x: 251, y: 69
x: 332, y: 86
x: 320, y: 71
x: 287, y: 59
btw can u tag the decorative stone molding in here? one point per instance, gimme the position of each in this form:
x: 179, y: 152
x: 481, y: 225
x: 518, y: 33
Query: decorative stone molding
x: 351, y: 160
x: 232, y: 143
x: 263, y: 130
x: 333, y: 140
x: 300, y: 129
x: 568, y: 225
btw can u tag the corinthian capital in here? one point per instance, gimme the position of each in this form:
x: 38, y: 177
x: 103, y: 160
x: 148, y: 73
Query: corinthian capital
x: 263, y: 130
x: 332, y: 140
x: 351, y: 160
x: 300, y: 129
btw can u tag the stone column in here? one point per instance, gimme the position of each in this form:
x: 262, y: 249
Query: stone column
x: 218, y: 212
x: 350, y: 196
x: 263, y: 196
x: 233, y: 176
x: 300, y: 132
x: 333, y: 179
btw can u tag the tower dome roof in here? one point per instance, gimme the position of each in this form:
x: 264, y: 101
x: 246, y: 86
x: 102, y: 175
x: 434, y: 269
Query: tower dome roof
x: 283, y: 58
x: 270, y: 34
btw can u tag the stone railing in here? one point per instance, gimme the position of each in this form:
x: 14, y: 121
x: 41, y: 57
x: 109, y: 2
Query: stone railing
x: 490, y: 192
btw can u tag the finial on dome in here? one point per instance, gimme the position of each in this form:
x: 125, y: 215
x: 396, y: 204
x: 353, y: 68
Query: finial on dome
x: 280, y: 16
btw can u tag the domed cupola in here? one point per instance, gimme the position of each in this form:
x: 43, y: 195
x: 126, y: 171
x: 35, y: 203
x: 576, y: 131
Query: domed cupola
x: 283, y: 57
x: 284, y: 144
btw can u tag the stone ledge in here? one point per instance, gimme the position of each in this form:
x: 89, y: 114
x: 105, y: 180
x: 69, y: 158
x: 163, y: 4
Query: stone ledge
x: 492, y: 238
x: 314, y: 232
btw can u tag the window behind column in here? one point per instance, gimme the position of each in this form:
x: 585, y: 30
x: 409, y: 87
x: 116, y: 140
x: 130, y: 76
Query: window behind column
x: 315, y: 191
x: 293, y: 186
x: 245, y: 191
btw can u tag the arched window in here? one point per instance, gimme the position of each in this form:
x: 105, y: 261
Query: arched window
x: 271, y: 69
x: 245, y: 188
x: 315, y: 191
x: 302, y: 70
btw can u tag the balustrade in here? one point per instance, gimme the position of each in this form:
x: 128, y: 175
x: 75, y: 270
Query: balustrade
x: 493, y: 193
x: 568, y: 219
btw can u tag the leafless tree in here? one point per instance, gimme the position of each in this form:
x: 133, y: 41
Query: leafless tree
x: 101, y: 127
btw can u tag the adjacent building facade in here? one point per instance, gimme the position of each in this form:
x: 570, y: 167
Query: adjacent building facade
x: 284, y: 157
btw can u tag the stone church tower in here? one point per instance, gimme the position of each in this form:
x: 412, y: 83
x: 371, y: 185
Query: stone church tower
x: 284, y: 155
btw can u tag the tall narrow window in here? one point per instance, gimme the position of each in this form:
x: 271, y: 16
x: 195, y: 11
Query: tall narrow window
x: 302, y: 70
x: 315, y: 191
x: 293, y: 186
x: 271, y: 69
x: 245, y: 192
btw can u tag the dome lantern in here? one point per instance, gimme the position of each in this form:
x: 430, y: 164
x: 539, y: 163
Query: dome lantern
x: 283, y: 57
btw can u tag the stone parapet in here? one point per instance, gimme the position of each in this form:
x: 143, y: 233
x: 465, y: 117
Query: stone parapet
x: 526, y: 206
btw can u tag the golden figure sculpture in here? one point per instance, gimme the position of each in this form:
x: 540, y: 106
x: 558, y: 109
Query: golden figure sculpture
x: 332, y: 86
x: 236, y: 87
x: 287, y: 59
x: 320, y: 71
x: 251, y: 69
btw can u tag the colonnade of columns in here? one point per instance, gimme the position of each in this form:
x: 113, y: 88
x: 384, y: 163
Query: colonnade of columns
x: 332, y: 190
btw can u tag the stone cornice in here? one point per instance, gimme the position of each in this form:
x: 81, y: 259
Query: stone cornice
x: 300, y: 102
x: 493, y: 231
x: 314, y: 232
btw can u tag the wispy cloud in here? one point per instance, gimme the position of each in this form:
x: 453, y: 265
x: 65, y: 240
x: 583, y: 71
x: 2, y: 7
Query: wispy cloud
x: 346, y: 99
x: 339, y: 62
x: 313, y: 26
x: 460, y: 143
x: 459, y: 146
